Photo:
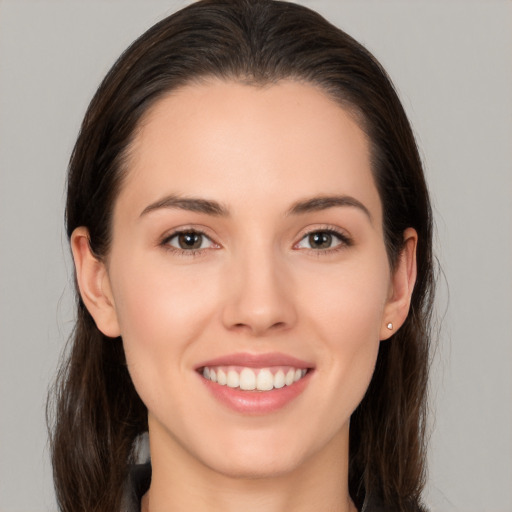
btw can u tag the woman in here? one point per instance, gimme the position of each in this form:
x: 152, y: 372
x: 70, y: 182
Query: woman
x: 251, y: 232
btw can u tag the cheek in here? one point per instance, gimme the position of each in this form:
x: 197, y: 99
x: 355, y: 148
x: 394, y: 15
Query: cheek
x: 349, y: 301
x: 161, y: 312
x: 346, y: 319
x: 156, y: 302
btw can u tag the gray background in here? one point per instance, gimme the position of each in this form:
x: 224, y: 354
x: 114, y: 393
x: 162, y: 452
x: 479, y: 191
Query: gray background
x: 452, y: 64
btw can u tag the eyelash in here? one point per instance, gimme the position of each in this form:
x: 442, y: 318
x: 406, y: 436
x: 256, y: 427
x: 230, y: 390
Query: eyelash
x: 344, y: 240
x: 185, y: 252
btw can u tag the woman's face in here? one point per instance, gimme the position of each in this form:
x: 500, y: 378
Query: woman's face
x: 248, y: 249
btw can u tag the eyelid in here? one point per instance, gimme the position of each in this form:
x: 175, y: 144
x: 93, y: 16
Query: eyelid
x: 344, y: 238
x: 164, y: 241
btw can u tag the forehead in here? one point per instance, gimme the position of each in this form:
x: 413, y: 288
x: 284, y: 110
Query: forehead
x: 241, y: 144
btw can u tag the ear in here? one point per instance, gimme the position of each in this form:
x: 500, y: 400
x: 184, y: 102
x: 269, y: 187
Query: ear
x: 94, y: 284
x: 401, y: 287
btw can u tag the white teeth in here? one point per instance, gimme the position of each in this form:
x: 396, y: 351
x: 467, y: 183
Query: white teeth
x: 265, y: 381
x: 279, y: 380
x: 249, y: 379
x: 233, y: 379
x: 222, y: 378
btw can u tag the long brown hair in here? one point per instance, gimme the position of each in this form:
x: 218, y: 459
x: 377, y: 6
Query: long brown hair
x: 96, y: 413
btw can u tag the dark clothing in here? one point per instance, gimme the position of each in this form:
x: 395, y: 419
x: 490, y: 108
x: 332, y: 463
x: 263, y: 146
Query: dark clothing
x: 136, y: 486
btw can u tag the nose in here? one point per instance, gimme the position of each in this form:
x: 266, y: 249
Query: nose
x: 259, y: 295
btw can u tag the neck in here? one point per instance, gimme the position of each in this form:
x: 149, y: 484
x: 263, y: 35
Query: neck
x: 181, y: 483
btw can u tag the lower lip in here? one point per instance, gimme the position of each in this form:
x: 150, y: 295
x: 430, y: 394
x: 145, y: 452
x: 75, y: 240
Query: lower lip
x: 257, y: 402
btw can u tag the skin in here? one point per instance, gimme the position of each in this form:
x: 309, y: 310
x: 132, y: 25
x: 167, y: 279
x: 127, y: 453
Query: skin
x: 257, y: 286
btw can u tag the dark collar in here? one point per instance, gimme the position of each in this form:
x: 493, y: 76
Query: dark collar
x: 136, y: 486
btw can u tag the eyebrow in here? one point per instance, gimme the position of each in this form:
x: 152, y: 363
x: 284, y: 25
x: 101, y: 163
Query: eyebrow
x: 316, y: 204
x: 211, y: 207
x: 191, y: 204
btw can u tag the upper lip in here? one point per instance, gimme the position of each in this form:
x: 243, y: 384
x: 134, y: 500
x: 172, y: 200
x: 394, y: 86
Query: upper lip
x: 256, y: 361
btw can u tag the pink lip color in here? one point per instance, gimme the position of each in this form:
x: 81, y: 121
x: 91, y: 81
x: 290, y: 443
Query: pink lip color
x: 256, y: 402
x: 256, y: 361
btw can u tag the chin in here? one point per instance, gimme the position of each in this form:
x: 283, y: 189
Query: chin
x: 267, y: 456
x: 263, y: 468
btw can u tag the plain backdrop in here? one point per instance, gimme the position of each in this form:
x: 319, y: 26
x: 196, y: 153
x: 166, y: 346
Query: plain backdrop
x: 452, y: 65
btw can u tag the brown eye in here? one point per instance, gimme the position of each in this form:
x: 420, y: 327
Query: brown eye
x: 323, y: 240
x: 189, y: 241
x: 320, y: 240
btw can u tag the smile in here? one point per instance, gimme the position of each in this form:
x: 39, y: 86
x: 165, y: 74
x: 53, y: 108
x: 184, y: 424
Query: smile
x: 253, y: 379
x: 256, y: 384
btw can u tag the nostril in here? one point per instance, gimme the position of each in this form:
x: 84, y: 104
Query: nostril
x: 254, y: 327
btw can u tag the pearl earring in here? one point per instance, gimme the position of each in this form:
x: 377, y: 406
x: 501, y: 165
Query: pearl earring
x: 390, y: 326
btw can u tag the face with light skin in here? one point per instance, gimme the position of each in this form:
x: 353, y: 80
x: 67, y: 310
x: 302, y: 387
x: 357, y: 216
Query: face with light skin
x: 249, y: 222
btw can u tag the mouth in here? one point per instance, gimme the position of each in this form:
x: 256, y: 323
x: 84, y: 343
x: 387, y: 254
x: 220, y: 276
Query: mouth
x: 253, y: 379
x: 255, y: 384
